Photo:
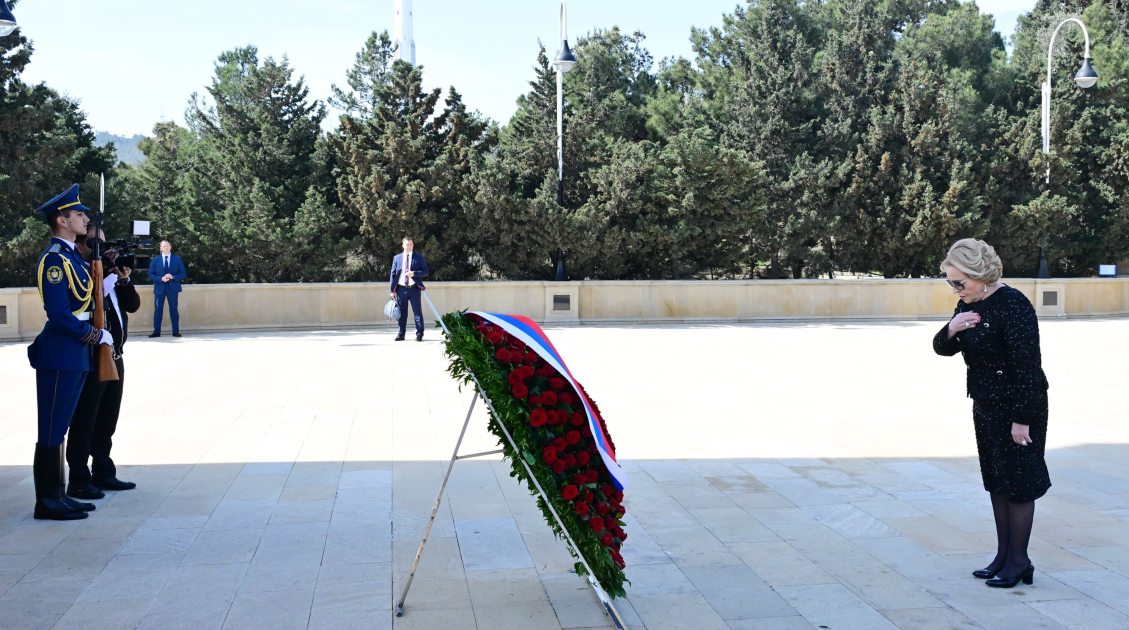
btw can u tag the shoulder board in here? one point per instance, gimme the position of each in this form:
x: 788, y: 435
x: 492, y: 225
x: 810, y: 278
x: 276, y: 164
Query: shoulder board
x: 55, y: 248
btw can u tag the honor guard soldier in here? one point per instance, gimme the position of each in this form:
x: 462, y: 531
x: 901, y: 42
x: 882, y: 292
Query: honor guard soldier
x: 62, y: 353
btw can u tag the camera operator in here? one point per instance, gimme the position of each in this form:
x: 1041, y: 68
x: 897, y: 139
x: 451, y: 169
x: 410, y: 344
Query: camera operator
x: 96, y: 417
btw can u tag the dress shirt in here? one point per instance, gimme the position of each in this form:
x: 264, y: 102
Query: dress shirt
x: 108, y: 288
x: 405, y: 281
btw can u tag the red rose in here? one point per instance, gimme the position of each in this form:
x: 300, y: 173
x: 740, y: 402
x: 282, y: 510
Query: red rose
x: 559, y: 466
x: 520, y: 391
x: 607, y: 540
x: 577, y: 419
x: 535, y: 400
x: 586, y: 432
x: 549, y: 456
x: 588, y: 496
x: 495, y: 339
x: 580, y: 479
x: 596, y: 523
x: 544, y: 371
x: 592, y: 475
x: 572, y: 437
x: 569, y: 493
x: 618, y: 558
x: 569, y: 459
x: 559, y: 444
x: 619, y: 496
x: 549, y: 398
x: 526, y: 371
x: 621, y: 535
x: 503, y: 355
x: 529, y: 358
x: 566, y: 398
x: 515, y: 377
x: 581, y: 508
x: 608, y: 490
x: 519, y: 345
x: 601, y: 508
x: 556, y: 383
x: 582, y: 458
x: 537, y: 417
x: 559, y: 417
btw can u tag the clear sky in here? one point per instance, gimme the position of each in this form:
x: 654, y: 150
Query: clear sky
x: 131, y: 61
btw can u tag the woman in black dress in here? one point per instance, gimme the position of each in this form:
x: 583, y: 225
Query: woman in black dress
x: 995, y: 328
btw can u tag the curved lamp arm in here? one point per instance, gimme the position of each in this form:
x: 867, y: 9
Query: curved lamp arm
x: 1051, y: 48
x: 1046, y: 114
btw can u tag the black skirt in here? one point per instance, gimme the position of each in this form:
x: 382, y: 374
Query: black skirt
x: 1019, y: 473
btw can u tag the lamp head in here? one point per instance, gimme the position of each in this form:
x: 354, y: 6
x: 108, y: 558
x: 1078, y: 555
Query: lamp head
x: 7, y: 20
x: 564, y: 59
x: 1086, y: 76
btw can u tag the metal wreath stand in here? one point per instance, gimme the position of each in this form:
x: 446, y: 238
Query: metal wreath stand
x: 609, y: 608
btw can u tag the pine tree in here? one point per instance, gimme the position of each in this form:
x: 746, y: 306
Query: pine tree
x: 259, y: 172
x: 402, y: 170
x: 46, y: 146
x: 763, y: 97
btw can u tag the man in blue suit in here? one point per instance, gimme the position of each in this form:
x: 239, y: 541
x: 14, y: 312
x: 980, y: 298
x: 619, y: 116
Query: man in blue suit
x: 408, y: 271
x: 62, y: 353
x: 166, y: 271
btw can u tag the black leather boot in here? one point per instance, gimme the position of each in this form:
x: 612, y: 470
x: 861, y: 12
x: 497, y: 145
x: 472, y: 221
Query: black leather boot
x: 75, y: 492
x: 49, y: 503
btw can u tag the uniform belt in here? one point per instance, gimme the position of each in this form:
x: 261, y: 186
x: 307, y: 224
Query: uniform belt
x: 83, y: 316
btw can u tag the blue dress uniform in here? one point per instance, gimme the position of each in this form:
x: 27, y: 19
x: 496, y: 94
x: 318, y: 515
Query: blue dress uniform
x: 62, y: 357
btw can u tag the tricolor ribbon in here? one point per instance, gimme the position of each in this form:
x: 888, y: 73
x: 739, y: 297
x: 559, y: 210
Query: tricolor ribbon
x: 531, y: 334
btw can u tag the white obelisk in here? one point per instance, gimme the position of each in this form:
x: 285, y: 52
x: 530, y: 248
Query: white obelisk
x: 402, y: 32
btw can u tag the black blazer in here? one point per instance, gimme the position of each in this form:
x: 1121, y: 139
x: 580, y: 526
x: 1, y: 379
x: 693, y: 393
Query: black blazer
x: 1001, y: 352
x: 419, y: 266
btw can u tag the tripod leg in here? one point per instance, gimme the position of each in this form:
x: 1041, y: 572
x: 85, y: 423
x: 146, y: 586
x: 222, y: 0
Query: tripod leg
x: 434, y: 510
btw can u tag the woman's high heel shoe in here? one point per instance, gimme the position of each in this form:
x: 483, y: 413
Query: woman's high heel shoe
x: 985, y: 574
x: 1028, y: 576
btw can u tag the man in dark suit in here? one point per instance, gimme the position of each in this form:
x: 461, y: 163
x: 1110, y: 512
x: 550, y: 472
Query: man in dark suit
x: 408, y: 271
x: 166, y: 271
x: 96, y: 417
x: 62, y: 354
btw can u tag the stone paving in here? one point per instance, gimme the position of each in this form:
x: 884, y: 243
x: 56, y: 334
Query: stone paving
x: 783, y: 477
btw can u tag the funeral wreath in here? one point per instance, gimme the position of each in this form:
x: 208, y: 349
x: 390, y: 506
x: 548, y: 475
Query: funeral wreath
x: 546, y: 416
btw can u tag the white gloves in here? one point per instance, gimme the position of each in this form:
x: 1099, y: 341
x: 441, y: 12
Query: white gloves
x: 106, y: 338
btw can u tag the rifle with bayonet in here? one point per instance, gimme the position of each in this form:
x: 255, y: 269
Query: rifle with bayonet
x: 107, y: 368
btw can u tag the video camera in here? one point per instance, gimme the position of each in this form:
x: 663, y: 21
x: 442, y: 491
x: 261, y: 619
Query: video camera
x: 123, y: 248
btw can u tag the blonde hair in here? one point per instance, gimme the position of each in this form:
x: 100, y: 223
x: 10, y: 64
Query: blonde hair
x: 977, y: 259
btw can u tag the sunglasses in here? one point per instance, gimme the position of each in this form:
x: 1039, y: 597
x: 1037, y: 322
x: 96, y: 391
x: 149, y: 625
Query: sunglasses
x: 956, y: 284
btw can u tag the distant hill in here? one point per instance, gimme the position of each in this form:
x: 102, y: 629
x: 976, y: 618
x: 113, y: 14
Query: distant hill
x: 126, y: 147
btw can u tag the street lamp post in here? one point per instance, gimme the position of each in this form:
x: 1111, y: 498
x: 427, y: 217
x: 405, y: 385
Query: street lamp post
x: 1085, y: 77
x: 564, y: 61
x: 7, y: 20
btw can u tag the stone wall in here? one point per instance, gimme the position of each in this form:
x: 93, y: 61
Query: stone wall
x: 220, y: 307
